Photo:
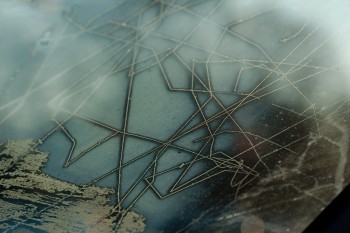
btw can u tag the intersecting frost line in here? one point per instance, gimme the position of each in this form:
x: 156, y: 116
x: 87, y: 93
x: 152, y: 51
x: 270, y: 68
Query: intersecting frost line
x: 221, y: 162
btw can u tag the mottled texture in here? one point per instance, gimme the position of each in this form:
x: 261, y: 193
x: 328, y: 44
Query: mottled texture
x: 296, y: 192
x: 34, y: 200
x: 217, y: 110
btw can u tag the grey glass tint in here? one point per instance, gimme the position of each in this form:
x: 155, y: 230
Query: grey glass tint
x: 168, y: 116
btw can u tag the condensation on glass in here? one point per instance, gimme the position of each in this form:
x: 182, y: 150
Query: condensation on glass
x: 172, y: 115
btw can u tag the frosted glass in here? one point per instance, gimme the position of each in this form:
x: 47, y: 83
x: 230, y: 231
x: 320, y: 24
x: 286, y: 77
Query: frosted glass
x: 172, y: 115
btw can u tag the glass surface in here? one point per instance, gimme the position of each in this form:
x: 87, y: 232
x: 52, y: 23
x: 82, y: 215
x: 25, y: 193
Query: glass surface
x: 172, y: 115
